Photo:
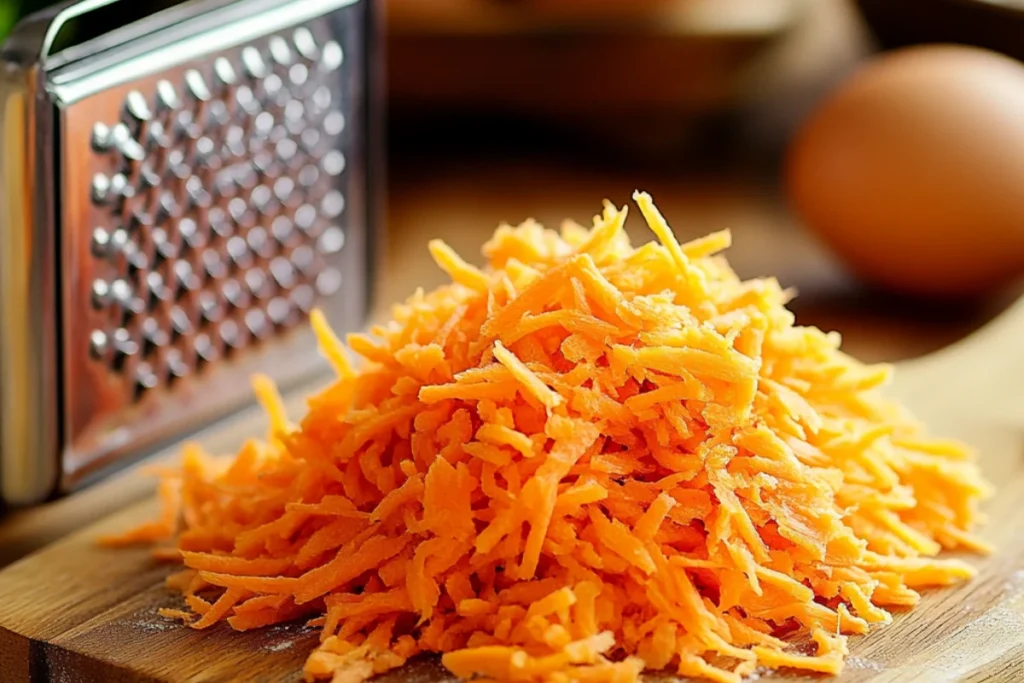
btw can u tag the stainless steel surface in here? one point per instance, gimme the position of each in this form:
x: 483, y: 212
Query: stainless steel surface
x: 29, y: 414
x: 199, y: 184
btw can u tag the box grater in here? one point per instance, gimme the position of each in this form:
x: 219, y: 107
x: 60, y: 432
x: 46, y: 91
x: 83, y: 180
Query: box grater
x: 180, y: 183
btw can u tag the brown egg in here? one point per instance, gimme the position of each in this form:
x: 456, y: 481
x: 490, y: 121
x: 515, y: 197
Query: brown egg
x: 913, y: 171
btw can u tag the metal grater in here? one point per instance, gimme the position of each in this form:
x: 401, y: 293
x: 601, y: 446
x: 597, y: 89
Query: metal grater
x: 180, y: 184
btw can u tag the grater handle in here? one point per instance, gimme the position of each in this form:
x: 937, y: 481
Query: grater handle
x: 43, y: 35
x: 64, y: 15
x: 88, y: 22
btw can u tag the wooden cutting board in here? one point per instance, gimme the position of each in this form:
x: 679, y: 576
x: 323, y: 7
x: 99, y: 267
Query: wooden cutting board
x: 76, y: 613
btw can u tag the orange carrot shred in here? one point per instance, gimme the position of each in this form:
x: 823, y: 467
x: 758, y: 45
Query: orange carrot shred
x: 578, y: 462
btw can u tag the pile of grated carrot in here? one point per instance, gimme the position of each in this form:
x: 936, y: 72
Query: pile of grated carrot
x: 581, y: 462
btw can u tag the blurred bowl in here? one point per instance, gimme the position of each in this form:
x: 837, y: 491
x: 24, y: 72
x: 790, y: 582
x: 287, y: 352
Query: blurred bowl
x: 643, y: 76
x: 568, y: 57
x: 993, y: 24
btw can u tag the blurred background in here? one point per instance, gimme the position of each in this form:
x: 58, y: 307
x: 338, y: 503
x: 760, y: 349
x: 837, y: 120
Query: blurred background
x: 506, y: 109
x: 500, y: 110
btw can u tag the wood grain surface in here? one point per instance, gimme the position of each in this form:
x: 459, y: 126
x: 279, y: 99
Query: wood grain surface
x: 77, y: 613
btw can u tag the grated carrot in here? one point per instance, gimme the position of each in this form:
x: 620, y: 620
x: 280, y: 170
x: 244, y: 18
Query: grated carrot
x: 579, y: 462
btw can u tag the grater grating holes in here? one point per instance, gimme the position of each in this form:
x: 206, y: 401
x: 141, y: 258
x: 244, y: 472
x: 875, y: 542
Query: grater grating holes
x: 219, y: 193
